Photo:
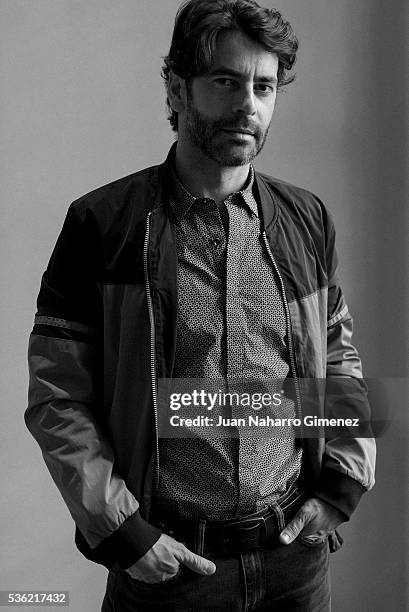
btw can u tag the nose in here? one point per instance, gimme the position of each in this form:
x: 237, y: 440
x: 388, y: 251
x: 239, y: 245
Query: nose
x: 244, y: 101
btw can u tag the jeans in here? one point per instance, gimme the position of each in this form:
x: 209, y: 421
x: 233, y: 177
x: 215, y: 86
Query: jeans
x: 279, y: 578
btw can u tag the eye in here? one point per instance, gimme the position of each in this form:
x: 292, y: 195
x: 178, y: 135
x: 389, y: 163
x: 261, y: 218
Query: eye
x: 224, y: 82
x: 264, y: 88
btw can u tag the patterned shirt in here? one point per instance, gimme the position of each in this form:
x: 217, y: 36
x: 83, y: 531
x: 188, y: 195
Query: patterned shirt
x: 231, y: 324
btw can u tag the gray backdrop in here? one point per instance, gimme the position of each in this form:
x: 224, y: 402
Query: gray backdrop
x: 82, y: 104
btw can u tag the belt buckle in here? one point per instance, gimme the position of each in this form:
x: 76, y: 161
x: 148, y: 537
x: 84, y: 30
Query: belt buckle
x: 247, y: 538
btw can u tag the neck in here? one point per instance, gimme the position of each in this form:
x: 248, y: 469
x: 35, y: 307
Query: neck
x: 205, y: 178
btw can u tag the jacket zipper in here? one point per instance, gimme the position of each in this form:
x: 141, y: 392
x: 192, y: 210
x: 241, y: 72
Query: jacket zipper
x: 153, y: 343
x: 290, y: 336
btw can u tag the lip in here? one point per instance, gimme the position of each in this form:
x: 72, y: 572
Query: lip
x: 239, y: 131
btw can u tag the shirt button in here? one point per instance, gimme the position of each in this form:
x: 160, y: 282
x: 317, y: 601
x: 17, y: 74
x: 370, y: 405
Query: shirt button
x: 215, y: 242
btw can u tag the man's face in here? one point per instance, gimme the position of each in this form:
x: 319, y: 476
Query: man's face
x: 229, y: 109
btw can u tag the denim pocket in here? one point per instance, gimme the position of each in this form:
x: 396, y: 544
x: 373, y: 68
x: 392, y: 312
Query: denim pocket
x: 335, y: 541
x: 154, y: 585
x: 312, y: 541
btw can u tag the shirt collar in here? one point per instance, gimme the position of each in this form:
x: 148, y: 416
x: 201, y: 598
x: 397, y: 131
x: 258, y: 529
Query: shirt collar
x: 182, y: 200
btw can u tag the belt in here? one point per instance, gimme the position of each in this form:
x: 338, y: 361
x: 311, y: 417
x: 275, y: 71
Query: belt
x: 257, y: 530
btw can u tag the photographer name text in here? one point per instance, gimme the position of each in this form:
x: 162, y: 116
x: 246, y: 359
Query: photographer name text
x: 259, y: 421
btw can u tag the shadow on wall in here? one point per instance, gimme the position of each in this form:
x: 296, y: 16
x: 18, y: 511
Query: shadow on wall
x: 377, y: 126
x: 370, y: 572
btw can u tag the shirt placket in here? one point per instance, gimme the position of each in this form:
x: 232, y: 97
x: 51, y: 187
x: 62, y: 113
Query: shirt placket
x: 235, y: 324
x: 234, y: 315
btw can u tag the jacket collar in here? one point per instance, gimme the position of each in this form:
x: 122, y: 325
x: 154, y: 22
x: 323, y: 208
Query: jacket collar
x: 268, y: 203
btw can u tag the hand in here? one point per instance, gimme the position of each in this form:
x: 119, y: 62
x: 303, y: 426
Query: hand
x: 162, y: 561
x: 314, y: 518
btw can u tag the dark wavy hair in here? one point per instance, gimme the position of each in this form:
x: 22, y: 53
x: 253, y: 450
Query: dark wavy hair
x: 199, y: 22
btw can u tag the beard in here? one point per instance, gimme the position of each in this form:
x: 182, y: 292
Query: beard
x: 208, y: 136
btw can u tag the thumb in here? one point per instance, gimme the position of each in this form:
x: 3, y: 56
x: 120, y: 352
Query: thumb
x: 198, y: 564
x: 291, y: 531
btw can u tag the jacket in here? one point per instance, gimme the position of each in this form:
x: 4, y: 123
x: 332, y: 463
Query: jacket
x: 105, y: 332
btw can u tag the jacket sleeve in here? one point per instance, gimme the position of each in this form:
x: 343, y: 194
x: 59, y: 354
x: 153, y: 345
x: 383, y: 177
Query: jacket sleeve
x: 348, y: 468
x: 64, y: 409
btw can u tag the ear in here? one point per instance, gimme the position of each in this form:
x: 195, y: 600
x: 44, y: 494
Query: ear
x: 177, y: 92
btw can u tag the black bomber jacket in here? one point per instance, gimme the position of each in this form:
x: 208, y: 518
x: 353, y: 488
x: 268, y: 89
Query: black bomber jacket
x: 105, y: 333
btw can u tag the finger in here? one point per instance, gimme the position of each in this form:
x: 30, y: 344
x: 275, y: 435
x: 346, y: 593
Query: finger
x: 291, y: 531
x: 170, y: 567
x: 155, y: 573
x: 196, y: 563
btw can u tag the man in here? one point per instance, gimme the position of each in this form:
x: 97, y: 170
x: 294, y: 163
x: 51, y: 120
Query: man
x: 200, y: 268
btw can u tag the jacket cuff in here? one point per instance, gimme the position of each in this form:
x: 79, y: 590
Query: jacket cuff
x: 129, y: 542
x: 339, y: 491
